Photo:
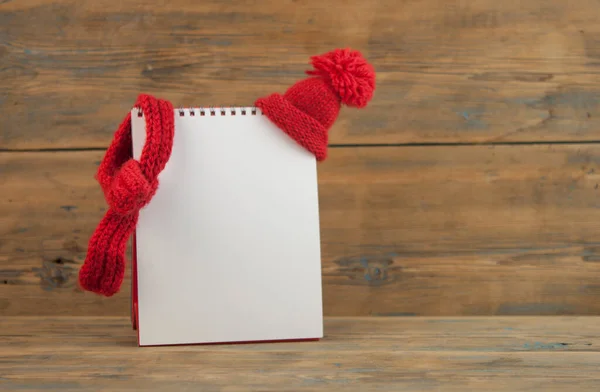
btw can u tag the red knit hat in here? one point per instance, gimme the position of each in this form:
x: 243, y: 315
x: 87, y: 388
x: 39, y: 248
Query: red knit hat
x: 310, y: 107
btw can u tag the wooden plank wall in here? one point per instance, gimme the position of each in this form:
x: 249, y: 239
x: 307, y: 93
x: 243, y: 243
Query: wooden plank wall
x: 469, y: 186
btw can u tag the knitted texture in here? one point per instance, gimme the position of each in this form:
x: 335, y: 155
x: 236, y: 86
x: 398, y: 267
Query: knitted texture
x: 309, y: 108
x: 128, y: 185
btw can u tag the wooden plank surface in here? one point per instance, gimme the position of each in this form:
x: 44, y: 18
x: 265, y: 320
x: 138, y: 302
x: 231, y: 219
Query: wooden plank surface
x: 445, y: 230
x: 357, y: 354
x: 465, y: 71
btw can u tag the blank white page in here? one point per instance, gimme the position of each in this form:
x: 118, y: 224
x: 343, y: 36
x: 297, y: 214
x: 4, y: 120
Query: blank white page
x: 228, y: 249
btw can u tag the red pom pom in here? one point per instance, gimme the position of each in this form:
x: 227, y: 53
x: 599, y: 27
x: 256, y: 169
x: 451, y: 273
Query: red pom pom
x: 350, y: 75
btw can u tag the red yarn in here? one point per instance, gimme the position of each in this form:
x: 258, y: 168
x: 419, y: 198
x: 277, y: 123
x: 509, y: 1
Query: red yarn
x: 128, y: 185
x: 309, y: 108
x: 349, y: 74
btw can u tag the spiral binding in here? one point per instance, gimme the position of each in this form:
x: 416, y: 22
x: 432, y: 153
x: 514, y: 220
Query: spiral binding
x: 213, y: 111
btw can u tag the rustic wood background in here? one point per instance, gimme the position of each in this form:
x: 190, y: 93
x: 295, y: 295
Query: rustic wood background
x: 469, y: 186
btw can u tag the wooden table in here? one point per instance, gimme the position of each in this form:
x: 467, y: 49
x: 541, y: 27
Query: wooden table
x: 357, y: 354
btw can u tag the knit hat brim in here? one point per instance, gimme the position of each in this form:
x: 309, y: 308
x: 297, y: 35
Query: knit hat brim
x: 305, y: 130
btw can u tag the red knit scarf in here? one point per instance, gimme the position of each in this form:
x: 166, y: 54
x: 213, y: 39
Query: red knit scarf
x: 128, y: 185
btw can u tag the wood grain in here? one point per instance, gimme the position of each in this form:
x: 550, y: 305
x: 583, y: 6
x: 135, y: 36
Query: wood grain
x: 49, y: 207
x: 458, y: 72
x: 447, y: 230
x: 357, y: 354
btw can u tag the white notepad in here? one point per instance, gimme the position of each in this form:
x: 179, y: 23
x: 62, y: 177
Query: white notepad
x: 228, y: 249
